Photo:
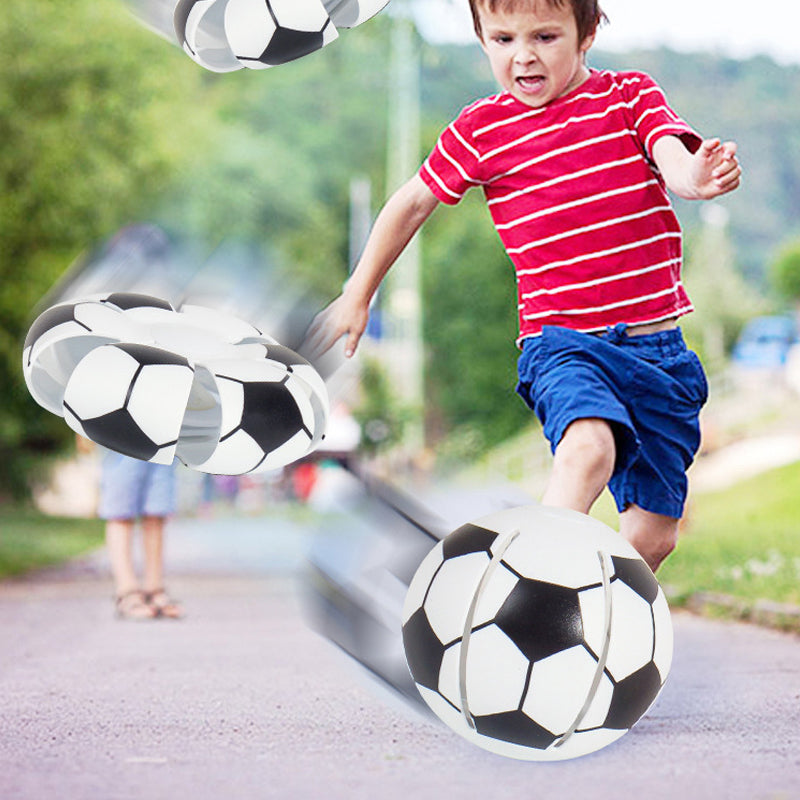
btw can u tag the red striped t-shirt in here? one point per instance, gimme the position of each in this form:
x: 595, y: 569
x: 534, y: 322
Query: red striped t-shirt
x: 576, y: 198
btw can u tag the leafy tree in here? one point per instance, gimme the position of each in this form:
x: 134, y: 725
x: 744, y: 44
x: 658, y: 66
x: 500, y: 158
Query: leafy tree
x: 785, y: 272
x: 294, y: 138
x: 470, y: 325
x: 94, y: 120
x: 723, y: 300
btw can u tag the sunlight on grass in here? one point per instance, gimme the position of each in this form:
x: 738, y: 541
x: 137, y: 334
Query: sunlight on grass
x: 29, y: 540
x: 744, y: 541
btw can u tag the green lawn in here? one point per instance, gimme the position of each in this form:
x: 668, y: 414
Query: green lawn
x: 743, y: 542
x: 29, y: 540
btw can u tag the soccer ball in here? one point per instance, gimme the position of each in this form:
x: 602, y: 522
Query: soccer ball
x: 537, y: 633
x: 200, y: 28
x: 266, y: 33
x: 133, y: 374
x: 349, y: 13
x: 130, y: 398
x: 63, y: 334
x: 273, y: 412
x: 226, y: 35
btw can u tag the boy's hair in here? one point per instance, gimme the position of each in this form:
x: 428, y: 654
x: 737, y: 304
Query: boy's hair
x: 588, y: 14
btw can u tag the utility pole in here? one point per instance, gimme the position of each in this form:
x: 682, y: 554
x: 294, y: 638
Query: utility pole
x: 402, y: 302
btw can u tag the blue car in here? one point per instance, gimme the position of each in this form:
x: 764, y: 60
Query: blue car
x: 765, y: 342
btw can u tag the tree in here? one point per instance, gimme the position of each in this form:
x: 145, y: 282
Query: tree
x: 470, y: 323
x: 723, y: 300
x: 785, y: 272
x: 95, y: 117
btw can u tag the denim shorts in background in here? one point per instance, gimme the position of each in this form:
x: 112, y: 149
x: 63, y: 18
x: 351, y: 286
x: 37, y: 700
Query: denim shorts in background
x: 130, y: 488
x: 650, y: 388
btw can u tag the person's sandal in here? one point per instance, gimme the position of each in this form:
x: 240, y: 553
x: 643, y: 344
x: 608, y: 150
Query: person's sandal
x: 163, y: 604
x: 134, y: 605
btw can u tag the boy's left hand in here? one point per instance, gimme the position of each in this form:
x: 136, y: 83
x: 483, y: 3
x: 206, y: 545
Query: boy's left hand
x: 714, y: 169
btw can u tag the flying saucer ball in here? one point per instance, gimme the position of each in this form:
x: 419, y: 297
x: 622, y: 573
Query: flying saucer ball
x: 537, y: 633
x: 266, y: 33
x: 200, y: 29
x: 63, y: 334
x: 271, y: 416
x: 226, y: 35
x: 349, y: 13
x: 130, y: 398
x: 136, y: 375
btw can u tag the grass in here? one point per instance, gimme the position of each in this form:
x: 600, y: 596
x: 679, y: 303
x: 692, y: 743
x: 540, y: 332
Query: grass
x: 30, y: 540
x: 743, y: 542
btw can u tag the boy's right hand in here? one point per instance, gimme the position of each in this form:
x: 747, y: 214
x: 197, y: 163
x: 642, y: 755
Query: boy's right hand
x: 345, y: 316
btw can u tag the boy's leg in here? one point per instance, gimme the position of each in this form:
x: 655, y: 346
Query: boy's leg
x: 653, y: 535
x: 153, y: 547
x: 582, y: 465
x: 119, y: 536
x: 153, y: 540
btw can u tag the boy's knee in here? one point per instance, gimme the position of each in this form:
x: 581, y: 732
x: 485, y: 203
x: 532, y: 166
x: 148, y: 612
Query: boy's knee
x: 663, y: 546
x: 653, y: 535
x: 587, y: 448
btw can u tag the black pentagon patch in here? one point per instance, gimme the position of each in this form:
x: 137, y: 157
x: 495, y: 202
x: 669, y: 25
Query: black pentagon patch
x: 633, y: 572
x: 147, y: 355
x: 424, y: 651
x: 632, y: 697
x: 541, y: 618
x: 126, y: 300
x: 515, y: 727
x: 287, y: 44
x: 270, y: 414
x: 468, y: 539
x: 57, y: 315
x: 118, y: 431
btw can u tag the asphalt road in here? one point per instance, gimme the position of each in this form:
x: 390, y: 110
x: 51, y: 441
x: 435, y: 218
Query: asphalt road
x: 242, y: 700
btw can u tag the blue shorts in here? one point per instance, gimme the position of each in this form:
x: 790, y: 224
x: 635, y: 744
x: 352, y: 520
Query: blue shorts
x: 649, y: 388
x: 130, y: 488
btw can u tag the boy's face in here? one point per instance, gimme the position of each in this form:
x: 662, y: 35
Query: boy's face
x: 534, y: 51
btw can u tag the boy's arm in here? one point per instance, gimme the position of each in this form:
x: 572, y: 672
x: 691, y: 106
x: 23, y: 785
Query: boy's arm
x: 709, y: 172
x: 401, y: 217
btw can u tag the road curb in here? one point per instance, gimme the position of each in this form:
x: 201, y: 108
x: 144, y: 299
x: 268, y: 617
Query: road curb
x: 765, y: 613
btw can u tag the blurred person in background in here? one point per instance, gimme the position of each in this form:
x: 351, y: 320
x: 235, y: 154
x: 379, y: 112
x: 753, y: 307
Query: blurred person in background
x: 132, y: 490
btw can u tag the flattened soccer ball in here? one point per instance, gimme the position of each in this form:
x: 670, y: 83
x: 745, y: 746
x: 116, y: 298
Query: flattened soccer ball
x: 200, y: 29
x: 133, y: 374
x: 63, y: 334
x: 273, y: 412
x: 537, y: 633
x: 266, y: 33
x: 130, y: 398
x: 349, y: 13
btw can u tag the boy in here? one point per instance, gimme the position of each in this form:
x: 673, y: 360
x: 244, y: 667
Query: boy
x: 574, y: 164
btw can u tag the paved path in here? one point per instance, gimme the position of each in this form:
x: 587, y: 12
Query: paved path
x: 241, y: 700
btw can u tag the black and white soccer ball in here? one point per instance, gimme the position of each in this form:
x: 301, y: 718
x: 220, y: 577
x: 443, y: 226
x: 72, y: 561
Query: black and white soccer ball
x: 226, y: 35
x: 273, y: 410
x: 130, y: 398
x: 200, y: 30
x: 537, y: 633
x: 266, y: 33
x: 136, y: 375
x: 349, y: 13
x: 63, y: 334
